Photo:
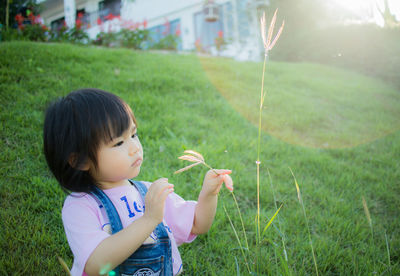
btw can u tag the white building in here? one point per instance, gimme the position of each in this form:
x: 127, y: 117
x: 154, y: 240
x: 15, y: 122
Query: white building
x: 237, y: 21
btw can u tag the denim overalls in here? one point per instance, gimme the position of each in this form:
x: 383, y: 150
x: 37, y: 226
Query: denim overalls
x: 149, y: 259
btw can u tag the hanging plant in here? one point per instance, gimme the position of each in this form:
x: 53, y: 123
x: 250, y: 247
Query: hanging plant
x: 210, y: 10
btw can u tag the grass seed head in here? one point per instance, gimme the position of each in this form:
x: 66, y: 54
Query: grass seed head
x: 195, y: 153
x: 267, y: 40
x: 187, y: 167
x: 190, y: 158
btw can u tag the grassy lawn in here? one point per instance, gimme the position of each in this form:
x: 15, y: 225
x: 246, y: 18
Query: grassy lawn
x: 337, y: 130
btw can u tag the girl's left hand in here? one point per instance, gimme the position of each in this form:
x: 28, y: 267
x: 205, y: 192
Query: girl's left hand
x: 213, y: 181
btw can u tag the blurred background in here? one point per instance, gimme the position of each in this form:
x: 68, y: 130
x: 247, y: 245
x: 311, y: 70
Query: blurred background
x: 359, y: 34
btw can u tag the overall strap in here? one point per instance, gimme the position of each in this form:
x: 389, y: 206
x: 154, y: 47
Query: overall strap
x: 112, y: 213
x: 140, y: 187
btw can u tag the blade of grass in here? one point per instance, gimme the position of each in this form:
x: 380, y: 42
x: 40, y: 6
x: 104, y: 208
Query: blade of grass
x: 64, y: 265
x: 388, y: 251
x: 271, y: 220
x: 237, y: 238
x: 306, y: 219
x: 279, y: 221
x: 241, y: 220
x: 368, y: 215
x: 237, y: 267
x: 284, y: 266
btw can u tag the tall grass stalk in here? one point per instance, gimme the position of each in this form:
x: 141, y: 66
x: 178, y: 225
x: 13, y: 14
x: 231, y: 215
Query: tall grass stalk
x: 306, y: 219
x: 197, y: 158
x: 268, y: 45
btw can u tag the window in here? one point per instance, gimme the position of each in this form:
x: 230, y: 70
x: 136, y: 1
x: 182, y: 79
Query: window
x: 158, y: 32
x: 108, y: 7
x: 57, y: 24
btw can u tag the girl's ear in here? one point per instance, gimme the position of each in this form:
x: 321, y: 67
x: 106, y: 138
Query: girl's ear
x: 73, y: 159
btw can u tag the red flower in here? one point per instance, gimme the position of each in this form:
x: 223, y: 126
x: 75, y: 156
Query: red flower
x: 198, y: 43
x: 144, y: 23
x: 109, y: 16
x: 99, y: 22
x: 19, y: 18
x: 80, y: 15
x: 31, y: 17
x: 178, y: 30
x: 78, y: 23
x: 38, y: 19
x: 220, y: 34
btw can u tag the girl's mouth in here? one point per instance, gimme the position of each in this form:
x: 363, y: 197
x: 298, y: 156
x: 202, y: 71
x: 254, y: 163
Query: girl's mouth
x: 137, y: 163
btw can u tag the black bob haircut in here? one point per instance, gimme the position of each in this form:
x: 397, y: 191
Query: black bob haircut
x: 74, y: 128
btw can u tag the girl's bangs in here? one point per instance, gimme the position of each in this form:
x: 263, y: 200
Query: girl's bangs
x: 117, y: 119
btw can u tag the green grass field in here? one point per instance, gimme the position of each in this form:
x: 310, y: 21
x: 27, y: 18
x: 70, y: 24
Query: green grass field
x: 336, y: 129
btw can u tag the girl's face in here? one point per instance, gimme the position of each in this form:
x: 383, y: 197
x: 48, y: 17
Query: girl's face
x: 118, y: 160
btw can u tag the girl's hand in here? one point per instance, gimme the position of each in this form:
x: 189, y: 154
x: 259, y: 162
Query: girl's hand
x: 155, y: 199
x: 213, y: 181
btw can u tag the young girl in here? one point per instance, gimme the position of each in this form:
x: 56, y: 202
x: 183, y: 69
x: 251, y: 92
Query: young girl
x: 112, y: 222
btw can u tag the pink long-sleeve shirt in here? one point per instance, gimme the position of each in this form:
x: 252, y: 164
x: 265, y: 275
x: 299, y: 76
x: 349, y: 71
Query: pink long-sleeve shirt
x: 86, y: 223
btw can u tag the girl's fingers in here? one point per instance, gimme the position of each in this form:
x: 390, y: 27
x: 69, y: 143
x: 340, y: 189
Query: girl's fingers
x: 228, y: 182
x: 222, y: 172
x: 166, y: 189
x: 165, y: 193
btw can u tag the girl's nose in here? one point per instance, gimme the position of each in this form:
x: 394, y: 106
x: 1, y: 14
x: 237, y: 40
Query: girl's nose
x: 133, y: 147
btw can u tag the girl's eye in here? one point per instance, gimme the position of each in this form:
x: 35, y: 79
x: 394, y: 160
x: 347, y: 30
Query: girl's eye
x: 119, y: 144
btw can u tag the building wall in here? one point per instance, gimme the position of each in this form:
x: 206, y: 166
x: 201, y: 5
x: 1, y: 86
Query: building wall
x: 156, y: 12
x: 237, y: 21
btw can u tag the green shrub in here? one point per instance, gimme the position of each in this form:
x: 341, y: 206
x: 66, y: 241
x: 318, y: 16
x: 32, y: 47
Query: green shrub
x: 77, y: 35
x: 169, y: 42
x: 105, y: 39
x: 59, y: 35
x: 10, y: 34
x: 35, y: 32
x: 134, y: 39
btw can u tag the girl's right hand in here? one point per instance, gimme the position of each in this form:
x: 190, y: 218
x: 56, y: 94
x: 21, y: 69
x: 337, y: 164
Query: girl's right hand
x: 155, y: 200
